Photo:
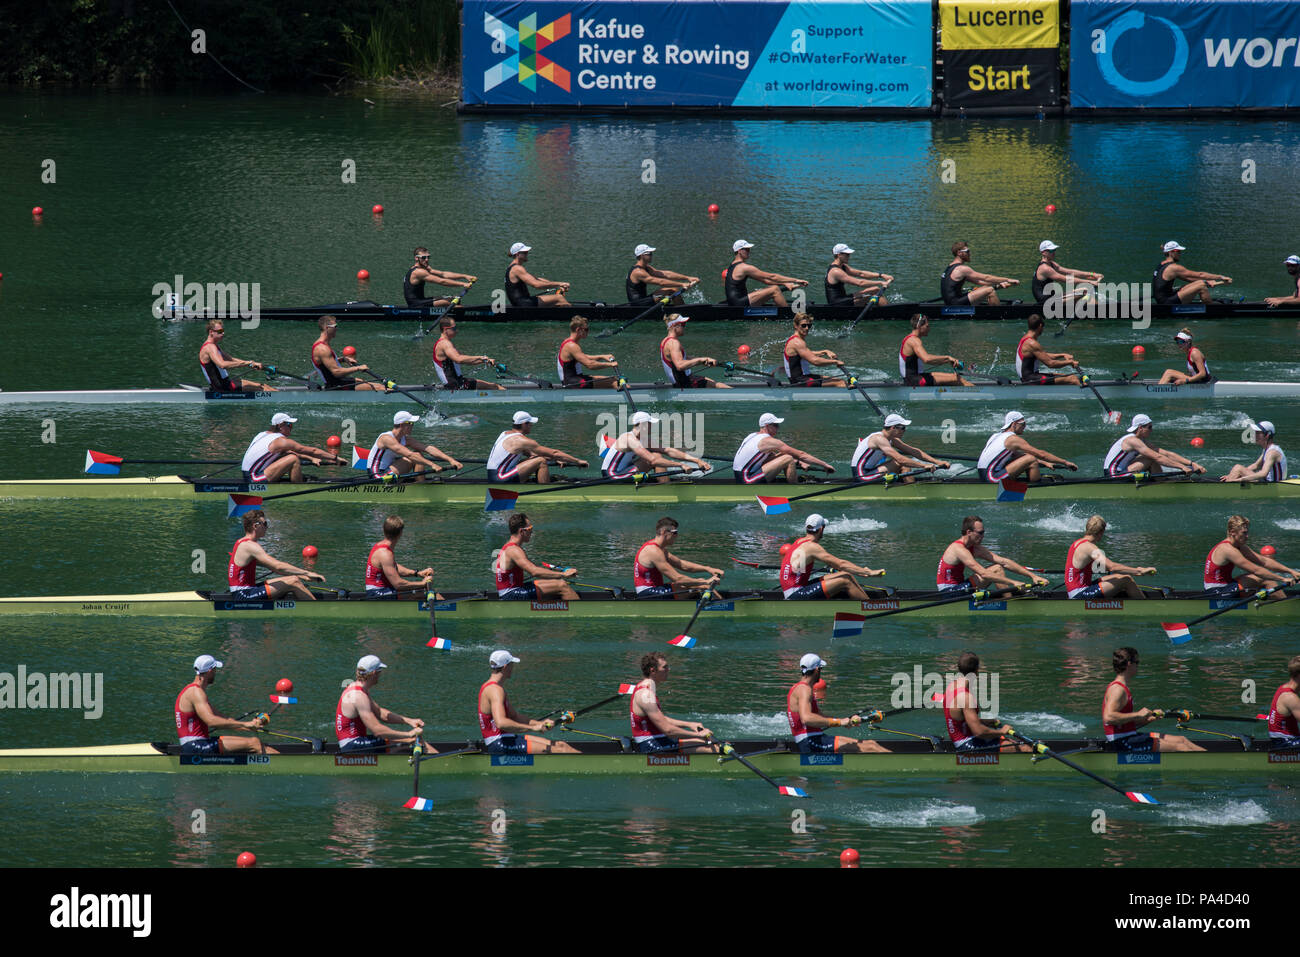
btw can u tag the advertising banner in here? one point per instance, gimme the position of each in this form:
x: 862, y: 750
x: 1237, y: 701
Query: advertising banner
x: 999, y: 24
x: 1000, y: 53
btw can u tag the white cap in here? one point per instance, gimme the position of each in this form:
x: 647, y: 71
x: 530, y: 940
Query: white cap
x: 1047, y: 244
x: 814, y: 522
x: 639, y: 417
x: 642, y: 250
x: 1263, y: 425
x: 401, y: 418
x: 810, y: 662
x: 894, y: 419
x: 767, y: 418
x: 1183, y: 336
x: 740, y: 244
x: 205, y: 663
x: 282, y: 417
x: 675, y: 318
x: 1140, y: 420
x: 1172, y: 245
x: 840, y: 248
x: 518, y: 248
x: 1011, y: 419
x: 1291, y: 261
x: 370, y: 664
x: 521, y: 417
x: 501, y: 658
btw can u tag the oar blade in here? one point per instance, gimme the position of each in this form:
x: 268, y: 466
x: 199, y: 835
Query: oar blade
x: 773, y: 505
x: 793, y: 792
x: 1177, y: 631
x: 360, y: 459
x: 240, y: 504
x: 626, y: 689
x: 847, y: 625
x: 1009, y: 490
x: 1137, y: 797
x: 282, y: 699
x: 683, y: 641
x: 499, y: 500
x: 418, y: 804
x: 101, y: 463
x: 438, y: 644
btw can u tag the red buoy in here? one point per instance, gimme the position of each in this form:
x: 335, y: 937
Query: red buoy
x: 742, y: 351
x: 284, y: 686
x: 1139, y: 352
x: 714, y: 209
x: 333, y: 442
x: 310, y: 551
x: 246, y: 859
x: 349, y: 351
x: 819, y: 689
x: 1268, y: 551
x: 848, y: 857
x: 1049, y: 209
x: 1198, y: 442
x: 785, y: 549
x: 377, y: 209
x: 363, y: 274
x: 37, y: 211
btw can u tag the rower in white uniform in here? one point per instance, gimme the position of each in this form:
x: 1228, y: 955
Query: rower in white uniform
x: 885, y: 452
x: 1271, y: 464
x: 1007, y: 455
x: 634, y: 452
x: 273, y: 456
x: 762, y: 457
x: 396, y: 453
x: 1135, y: 452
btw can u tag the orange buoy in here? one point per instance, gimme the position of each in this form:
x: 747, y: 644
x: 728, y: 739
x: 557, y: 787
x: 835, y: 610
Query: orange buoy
x: 363, y: 274
x: 742, y: 351
x: 1198, y: 442
x: 848, y: 857
x: 349, y: 351
x: 246, y: 859
x: 284, y: 686
x: 1139, y: 352
x: 333, y: 442
x: 1268, y: 551
x: 310, y: 551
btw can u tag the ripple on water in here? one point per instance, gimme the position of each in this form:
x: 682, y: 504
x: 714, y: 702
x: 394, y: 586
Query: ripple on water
x: 930, y: 813
x: 1218, y: 814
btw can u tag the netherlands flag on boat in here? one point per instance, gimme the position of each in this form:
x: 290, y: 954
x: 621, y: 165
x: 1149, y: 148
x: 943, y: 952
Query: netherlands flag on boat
x: 438, y: 644
x: 1178, y: 633
x: 773, y: 505
x: 360, y: 459
x: 1139, y: 798
x: 683, y: 641
x: 1009, y: 490
x: 792, y: 792
x: 240, y: 504
x: 282, y: 699
x: 847, y: 625
x: 419, y: 804
x: 499, y: 500
x: 101, y: 463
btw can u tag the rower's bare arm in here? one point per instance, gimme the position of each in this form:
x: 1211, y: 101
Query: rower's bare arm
x: 437, y: 453
x: 1113, y: 567
x: 592, y: 362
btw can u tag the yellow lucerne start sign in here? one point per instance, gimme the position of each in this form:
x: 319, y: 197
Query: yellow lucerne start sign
x: 999, y: 24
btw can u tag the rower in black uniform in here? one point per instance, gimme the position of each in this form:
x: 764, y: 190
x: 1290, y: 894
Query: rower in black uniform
x: 1170, y: 270
x: 959, y: 273
x: 642, y: 275
x: 1049, y: 271
x: 415, y: 278
x: 1292, y: 264
x: 839, y: 274
x: 519, y: 279
x: 734, y: 280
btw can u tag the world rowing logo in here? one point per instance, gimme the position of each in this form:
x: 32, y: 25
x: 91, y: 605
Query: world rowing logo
x: 1136, y: 20
x: 527, y: 64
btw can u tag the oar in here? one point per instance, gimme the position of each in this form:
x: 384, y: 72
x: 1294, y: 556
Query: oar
x: 277, y: 371
x: 658, y: 303
x: 777, y: 504
x: 684, y: 640
x: 415, y: 802
x: 455, y: 301
x: 317, y: 745
x: 569, y: 716
x: 1112, y: 417
x: 242, y: 503
x: 860, y: 316
x: 1137, y: 797
x: 852, y: 381
x: 279, y: 700
x: 105, y: 463
x: 735, y: 367
x: 730, y: 752
x: 1186, y: 714
x: 773, y: 568
x: 1180, y: 633
x: 501, y: 370
x: 503, y: 500
x: 976, y: 596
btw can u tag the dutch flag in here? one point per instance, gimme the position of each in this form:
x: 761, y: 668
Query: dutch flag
x: 847, y: 625
x: 241, y: 504
x: 1178, y: 632
x: 418, y: 804
x: 773, y: 505
x: 101, y: 463
x: 683, y: 641
x: 360, y: 459
x: 1009, y: 490
x: 438, y: 644
x: 282, y: 699
x: 499, y: 500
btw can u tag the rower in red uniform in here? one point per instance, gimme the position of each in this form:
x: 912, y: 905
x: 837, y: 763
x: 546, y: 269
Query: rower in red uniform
x: 447, y: 360
x: 1198, y: 367
x: 216, y: 363
x: 1086, y: 557
x: 797, y: 564
x: 1292, y: 264
x: 196, y: 718
x: 654, y: 562
x: 962, y: 555
x: 383, y: 572
x: 798, y: 358
x: 653, y: 732
x: 1121, y: 718
x: 912, y: 359
x: 358, y: 718
x: 504, y: 730
x: 274, y: 456
x: 248, y: 553
x: 672, y: 356
x: 331, y: 369
x: 1284, y: 711
x: 808, y: 724
x: 961, y: 712
x: 1030, y: 354
x: 511, y: 566
x: 1234, y: 554
x: 572, y: 363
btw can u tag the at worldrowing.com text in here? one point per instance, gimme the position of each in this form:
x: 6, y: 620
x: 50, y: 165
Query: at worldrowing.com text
x: 841, y: 86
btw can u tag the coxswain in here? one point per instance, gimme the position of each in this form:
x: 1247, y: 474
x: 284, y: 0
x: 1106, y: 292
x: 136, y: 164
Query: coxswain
x: 1030, y: 354
x: 1198, y: 367
x: 1170, y: 270
x: 808, y: 724
x: 652, y: 730
x: 447, y: 360
x: 736, y: 276
x: 331, y: 369
x: 798, y: 358
x: 519, y: 279
x: 797, y: 564
x: 632, y: 452
x: 885, y: 453
x: 216, y: 363
x: 511, y: 565
x: 1284, y: 711
x: 396, y: 453
x: 1121, y: 717
x: 1006, y: 454
x: 572, y: 363
x: 505, y: 730
x: 840, y: 273
x: 415, y: 278
x: 642, y: 274
x: 359, y: 719
x: 1135, y: 452
x: 961, y: 712
x: 1048, y: 270
x: 762, y: 457
x: 672, y: 356
x: 1292, y: 264
x: 273, y: 456
x: 1085, y: 556
x: 515, y: 456
x: 1234, y: 554
x: 248, y: 553
x: 966, y: 553
x: 384, y: 572
x: 959, y: 273
x: 912, y: 358
x: 1271, y: 464
x: 654, y: 562
x: 196, y: 719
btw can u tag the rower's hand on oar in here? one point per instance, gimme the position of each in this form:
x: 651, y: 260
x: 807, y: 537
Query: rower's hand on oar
x: 1039, y: 581
x: 314, y: 577
x: 851, y: 721
x: 536, y: 725
x: 1148, y: 570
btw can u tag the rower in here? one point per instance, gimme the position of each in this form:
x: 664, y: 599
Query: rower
x: 653, y: 732
x: 505, y: 730
x: 1121, y: 718
x: 1006, y: 454
x: 885, y: 453
x: 215, y: 363
x: 1271, y: 464
x: 736, y: 276
x: 641, y: 274
x: 1049, y: 271
x: 447, y: 360
x: 331, y: 368
x: 511, y: 565
x: 762, y: 457
x: 1292, y: 264
x: 672, y: 356
x: 1135, y: 452
x: 395, y: 453
x: 1284, y: 711
x: 359, y: 719
x: 515, y: 456
x: 797, y: 357
x: 961, y: 712
x: 631, y: 452
x: 572, y: 363
x: 840, y: 273
x: 383, y: 571
x: 196, y: 718
x: 1085, y: 557
x: 415, y: 278
x: 959, y: 273
x: 273, y: 456
x: 1030, y: 354
x: 248, y: 553
x: 912, y: 357
x: 1198, y: 368
x: 519, y: 279
x: 797, y: 564
x: 966, y: 553
x: 1233, y: 554
x: 654, y: 562
x: 808, y: 724
x: 1198, y: 284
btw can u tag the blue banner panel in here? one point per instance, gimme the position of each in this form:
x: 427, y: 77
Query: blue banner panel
x: 703, y: 53
x: 1184, y: 54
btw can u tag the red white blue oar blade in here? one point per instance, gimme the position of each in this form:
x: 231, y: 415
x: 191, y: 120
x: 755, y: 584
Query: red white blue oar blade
x: 360, y: 459
x: 1137, y: 797
x: 282, y: 699
x: 773, y: 504
x: 1178, y: 632
x: 626, y: 689
x: 499, y: 500
x: 241, y: 504
x: 1010, y: 490
x: 438, y: 644
x: 847, y: 625
x: 793, y: 792
x: 418, y: 804
x: 683, y: 641
x: 101, y: 463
